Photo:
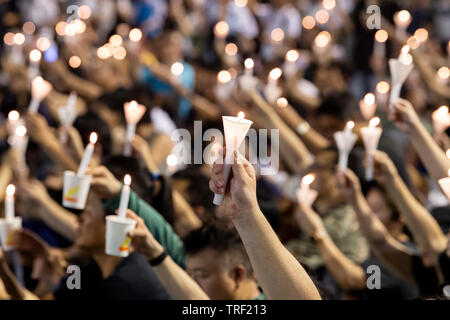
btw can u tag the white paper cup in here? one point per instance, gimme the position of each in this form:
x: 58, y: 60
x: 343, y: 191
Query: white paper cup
x: 8, y: 231
x: 75, y: 190
x: 117, y: 241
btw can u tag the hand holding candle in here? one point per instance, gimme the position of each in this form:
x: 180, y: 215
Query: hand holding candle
x: 441, y: 120
x: 368, y: 106
x: 133, y: 113
x: 305, y: 195
x: 371, y: 136
x: 40, y: 88
x: 235, y: 130
x: 10, y: 223
x: 9, y: 202
x: 345, y: 140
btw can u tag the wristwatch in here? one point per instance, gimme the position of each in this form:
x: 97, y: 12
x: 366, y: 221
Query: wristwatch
x: 159, y: 259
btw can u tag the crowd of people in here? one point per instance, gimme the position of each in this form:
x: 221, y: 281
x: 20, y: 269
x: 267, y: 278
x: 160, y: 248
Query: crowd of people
x: 304, y: 69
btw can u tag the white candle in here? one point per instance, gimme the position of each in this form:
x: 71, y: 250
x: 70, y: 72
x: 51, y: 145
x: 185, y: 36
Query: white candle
x: 87, y: 155
x: 235, y: 129
x: 40, y: 88
x: 124, y: 197
x: 371, y: 136
x: 224, y: 85
x: 305, y: 195
x: 13, y: 121
x: 290, y: 65
x: 9, y: 202
x: 133, y: 113
x: 177, y: 69
x: 402, y: 19
x: 271, y: 91
x: 379, y: 45
x: 247, y: 81
x: 441, y: 120
x: 345, y: 140
x: 382, y: 89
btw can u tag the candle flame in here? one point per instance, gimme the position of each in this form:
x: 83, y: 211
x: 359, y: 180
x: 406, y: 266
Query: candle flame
x: 249, y: 64
x: 282, y: 102
x: 447, y: 153
x: 292, y: 55
x: 443, y: 73
x: 442, y: 111
x: 221, y: 29
x: 241, y: 115
x: 177, y: 68
x: 404, y: 15
x: 93, y: 138
x: 277, y: 34
x: 421, y: 34
x: 135, y: 35
x: 405, y: 49
x: 374, y: 122
x: 369, y: 99
x: 381, y: 35
x: 231, y: 49
x: 383, y: 87
x: 13, y: 115
x: 308, y: 179
x: 10, y: 190
x: 127, y: 179
x: 172, y: 160
x: 308, y: 22
x: 224, y: 76
x: 21, y: 131
x: 275, y: 73
x: 322, y: 39
x: 35, y: 55
x: 350, y: 124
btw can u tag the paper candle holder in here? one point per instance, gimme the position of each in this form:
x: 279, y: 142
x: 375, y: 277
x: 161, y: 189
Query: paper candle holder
x: 8, y: 229
x: 345, y: 140
x: 235, y: 130
x: 371, y: 137
x: 133, y: 113
x: 117, y: 241
x: 75, y: 190
x: 399, y: 72
x: 40, y: 88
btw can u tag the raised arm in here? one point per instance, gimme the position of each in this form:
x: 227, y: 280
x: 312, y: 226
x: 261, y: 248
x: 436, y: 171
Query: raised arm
x: 392, y: 252
x: 425, y: 229
x: 280, y: 275
x: 177, y: 282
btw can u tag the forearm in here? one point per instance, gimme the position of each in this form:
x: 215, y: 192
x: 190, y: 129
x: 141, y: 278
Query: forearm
x: 347, y: 274
x: 84, y: 87
x: 59, y: 219
x: 423, y: 226
x: 56, y: 151
x: 13, y: 287
x: 177, y: 282
x: 185, y: 218
x: 280, y: 275
x: 430, y: 153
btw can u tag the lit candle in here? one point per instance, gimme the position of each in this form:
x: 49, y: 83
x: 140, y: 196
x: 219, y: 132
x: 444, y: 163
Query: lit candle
x: 124, y: 197
x: 345, y: 140
x: 305, y: 195
x: 40, y: 88
x: 9, y: 202
x: 231, y: 54
x: 368, y: 106
x: 235, y: 130
x: 87, y: 155
x: 321, y: 42
x: 290, y: 63
x: 35, y: 57
x: 399, y: 69
x: 442, y: 75
x: 133, y: 113
x: 14, y: 121
x: 247, y: 81
x: 382, y: 89
x: 177, y: 69
x: 271, y: 91
x: 379, y: 45
x: 441, y: 120
x: 371, y: 136
x: 221, y: 30
x: 224, y: 84
x: 404, y: 56
x: 402, y: 19
x: 19, y: 142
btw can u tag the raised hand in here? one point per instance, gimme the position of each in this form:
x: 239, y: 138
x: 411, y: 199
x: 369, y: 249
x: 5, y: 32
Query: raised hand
x: 103, y: 182
x: 404, y: 116
x: 384, y: 168
x: 348, y: 184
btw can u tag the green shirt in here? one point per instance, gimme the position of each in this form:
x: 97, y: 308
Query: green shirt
x: 158, y: 226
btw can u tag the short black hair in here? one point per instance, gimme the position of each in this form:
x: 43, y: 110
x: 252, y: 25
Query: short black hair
x: 90, y: 122
x: 222, y: 238
x: 339, y: 104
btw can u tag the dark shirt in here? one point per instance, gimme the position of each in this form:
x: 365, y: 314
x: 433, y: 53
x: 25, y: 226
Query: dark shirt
x: 427, y: 278
x: 133, y: 279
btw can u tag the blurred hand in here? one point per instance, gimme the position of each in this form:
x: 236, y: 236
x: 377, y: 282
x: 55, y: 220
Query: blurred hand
x: 241, y: 198
x: 142, y: 240
x: 38, y: 129
x: 348, y: 184
x: 141, y: 147
x: 48, y: 263
x: 384, y: 169
x: 32, y: 190
x: 404, y: 116
x: 309, y: 221
x: 103, y: 182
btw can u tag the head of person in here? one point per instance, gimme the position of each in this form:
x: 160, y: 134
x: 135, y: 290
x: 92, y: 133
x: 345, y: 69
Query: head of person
x: 217, y: 261
x: 171, y: 49
x: 90, y: 235
x: 332, y: 114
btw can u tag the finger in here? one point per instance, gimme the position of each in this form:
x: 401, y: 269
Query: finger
x: 214, y: 188
x: 239, y: 170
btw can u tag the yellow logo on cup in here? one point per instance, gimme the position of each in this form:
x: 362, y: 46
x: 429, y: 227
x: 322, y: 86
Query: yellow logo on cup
x: 125, y: 244
x: 10, y: 238
x: 71, y: 193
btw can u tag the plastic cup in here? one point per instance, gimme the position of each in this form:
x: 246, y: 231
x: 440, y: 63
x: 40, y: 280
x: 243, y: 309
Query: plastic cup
x: 8, y: 230
x: 117, y: 241
x: 75, y: 190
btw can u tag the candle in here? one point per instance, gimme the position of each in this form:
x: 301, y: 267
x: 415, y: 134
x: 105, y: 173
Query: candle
x: 382, y: 88
x: 87, y: 155
x: 371, y: 136
x: 177, y: 69
x: 368, y: 106
x: 290, y: 63
x: 441, y: 120
x: 14, y: 121
x: 404, y: 56
x: 124, y: 197
x: 345, y: 140
x: 224, y: 84
x: 271, y: 91
x: 402, y: 19
x: 321, y: 42
x: 379, y: 45
x: 399, y: 69
x: 247, y: 81
x: 305, y: 195
x: 133, y: 113
x: 442, y: 75
x: 221, y: 30
x: 35, y: 57
x: 19, y: 142
x: 40, y: 88
x: 9, y: 202
x: 231, y: 54
x: 235, y: 130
